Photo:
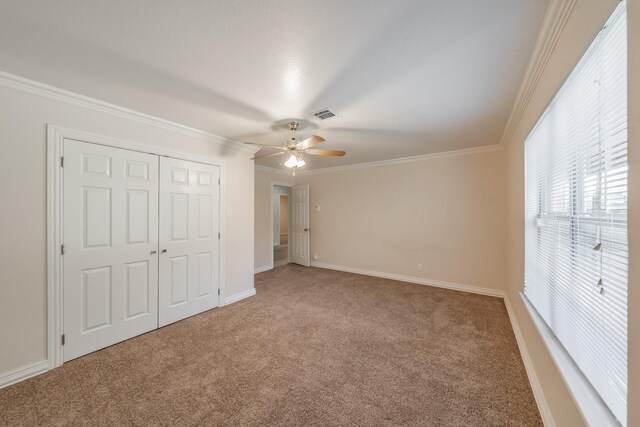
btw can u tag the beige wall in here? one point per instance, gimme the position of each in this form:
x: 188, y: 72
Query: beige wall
x: 446, y: 213
x: 23, y: 294
x: 284, y: 215
x: 263, y: 250
x: 584, y: 23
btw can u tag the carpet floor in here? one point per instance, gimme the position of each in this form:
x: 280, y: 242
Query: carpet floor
x: 313, y: 347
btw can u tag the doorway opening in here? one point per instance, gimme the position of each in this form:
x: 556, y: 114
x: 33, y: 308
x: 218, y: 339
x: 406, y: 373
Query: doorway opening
x: 280, y: 207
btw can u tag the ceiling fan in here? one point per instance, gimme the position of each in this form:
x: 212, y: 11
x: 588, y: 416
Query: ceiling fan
x: 296, y: 150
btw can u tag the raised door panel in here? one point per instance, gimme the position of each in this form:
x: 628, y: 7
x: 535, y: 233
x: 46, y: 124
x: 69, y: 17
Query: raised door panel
x: 96, y: 298
x: 96, y: 217
x: 179, y: 280
x: 189, y: 243
x: 96, y: 164
x: 137, y: 216
x: 137, y: 289
x: 205, y: 271
x: 110, y: 202
x: 137, y: 170
x: 205, y: 216
x: 179, y: 223
x: 180, y: 176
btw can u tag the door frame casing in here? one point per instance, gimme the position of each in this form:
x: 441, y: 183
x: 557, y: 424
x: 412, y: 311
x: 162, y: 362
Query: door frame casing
x: 55, y: 211
x: 280, y: 184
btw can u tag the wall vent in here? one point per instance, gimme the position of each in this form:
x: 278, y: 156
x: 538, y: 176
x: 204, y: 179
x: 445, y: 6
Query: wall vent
x: 324, y: 114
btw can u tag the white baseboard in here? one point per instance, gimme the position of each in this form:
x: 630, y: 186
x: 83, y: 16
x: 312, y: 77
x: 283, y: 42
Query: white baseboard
x: 23, y: 373
x: 262, y: 269
x: 536, y: 387
x: 413, y: 279
x: 239, y: 296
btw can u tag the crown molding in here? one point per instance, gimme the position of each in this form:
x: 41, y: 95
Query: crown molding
x: 463, y: 152
x: 554, y: 21
x: 46, y: 91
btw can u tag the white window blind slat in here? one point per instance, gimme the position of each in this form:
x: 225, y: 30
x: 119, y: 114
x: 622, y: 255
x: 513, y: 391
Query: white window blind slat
x: 576, y: 249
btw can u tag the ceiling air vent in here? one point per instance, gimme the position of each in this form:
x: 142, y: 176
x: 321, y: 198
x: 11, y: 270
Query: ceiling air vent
x: 324, y: 114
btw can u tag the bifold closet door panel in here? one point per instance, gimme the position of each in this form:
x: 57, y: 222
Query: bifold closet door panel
x: 110, y: 236
x: 189, y: 239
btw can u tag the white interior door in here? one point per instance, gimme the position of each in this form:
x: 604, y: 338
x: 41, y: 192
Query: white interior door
x: 299, y: 233
x: 110, y: 242
x: 189, y: 239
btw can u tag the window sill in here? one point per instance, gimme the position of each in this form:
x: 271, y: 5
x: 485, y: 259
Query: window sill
x: 593, y: 409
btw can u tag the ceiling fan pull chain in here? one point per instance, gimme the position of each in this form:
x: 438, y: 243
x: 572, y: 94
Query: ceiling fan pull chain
x: 293, y: 126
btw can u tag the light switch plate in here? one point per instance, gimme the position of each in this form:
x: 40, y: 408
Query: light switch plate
x: 316, y: 208
x: 229, y: 212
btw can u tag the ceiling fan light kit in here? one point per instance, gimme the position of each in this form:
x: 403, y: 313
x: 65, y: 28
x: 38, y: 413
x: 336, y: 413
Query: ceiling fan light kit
x: 295, y: 161
x: 296, y: 150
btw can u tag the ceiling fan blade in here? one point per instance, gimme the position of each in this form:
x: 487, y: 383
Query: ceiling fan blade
x: 265, y: 145
x: 266, y: 155
x: 320, y: 152
x: 309, y: 142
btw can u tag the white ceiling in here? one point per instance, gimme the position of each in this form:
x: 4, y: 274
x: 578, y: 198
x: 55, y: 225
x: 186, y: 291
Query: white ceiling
x: 408, y: 77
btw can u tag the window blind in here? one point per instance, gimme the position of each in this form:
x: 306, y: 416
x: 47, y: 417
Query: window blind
x: 576, y: 252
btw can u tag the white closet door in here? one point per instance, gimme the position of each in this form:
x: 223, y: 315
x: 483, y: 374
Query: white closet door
x: 110, y: 243
x: 189, y: 240
x: 300, y: 225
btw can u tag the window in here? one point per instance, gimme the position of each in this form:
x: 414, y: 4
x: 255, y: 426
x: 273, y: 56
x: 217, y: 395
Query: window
x: 576, y: 215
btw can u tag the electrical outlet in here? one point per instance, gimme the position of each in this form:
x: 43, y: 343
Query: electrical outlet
x: 315, y: 256
x: 419, y: 267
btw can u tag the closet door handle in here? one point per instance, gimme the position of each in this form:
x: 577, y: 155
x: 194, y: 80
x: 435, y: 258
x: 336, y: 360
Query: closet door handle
x: 163, y: 251
x: 152, y: 252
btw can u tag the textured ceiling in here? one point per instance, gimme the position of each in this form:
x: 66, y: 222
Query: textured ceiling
x: 407, y: 77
